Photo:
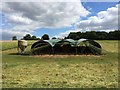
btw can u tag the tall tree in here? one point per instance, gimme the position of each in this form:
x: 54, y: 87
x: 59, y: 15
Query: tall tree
x: 33, y: 37
x: 14, y: 38
x: 45, y: 37
x: 27, y: 37
x: 54, y: 38
x: 96, y: 35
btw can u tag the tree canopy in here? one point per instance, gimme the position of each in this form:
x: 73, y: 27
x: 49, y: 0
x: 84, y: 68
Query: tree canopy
x: 45, y: 37
x: 113, y: 35
x: 94, y: 35
x: 29, y: 37
x: 14, y: 38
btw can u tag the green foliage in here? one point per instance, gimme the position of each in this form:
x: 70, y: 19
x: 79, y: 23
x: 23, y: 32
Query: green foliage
x: 29, y: 37
x: 73, y: 35
x: 33, y: 37
x: 45, y: 37
x: 14, y: 38
x: 54, y: 38
x: 113, y: 35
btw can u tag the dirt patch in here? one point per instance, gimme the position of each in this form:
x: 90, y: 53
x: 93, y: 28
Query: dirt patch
x: 64, y: 56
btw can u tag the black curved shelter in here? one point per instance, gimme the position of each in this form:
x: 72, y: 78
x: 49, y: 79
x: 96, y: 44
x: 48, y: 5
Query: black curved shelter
x: 66, y: 46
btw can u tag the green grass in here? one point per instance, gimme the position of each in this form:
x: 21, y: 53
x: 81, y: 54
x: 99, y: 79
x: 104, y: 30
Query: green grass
x: 7, y: 45
x: 63, y: 71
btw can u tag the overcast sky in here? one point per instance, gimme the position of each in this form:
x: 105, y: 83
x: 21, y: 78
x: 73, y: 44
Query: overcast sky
x: 56, y: 18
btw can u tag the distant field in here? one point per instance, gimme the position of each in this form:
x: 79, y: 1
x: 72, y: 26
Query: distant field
x: 63, y: 71
x: 7, y: 45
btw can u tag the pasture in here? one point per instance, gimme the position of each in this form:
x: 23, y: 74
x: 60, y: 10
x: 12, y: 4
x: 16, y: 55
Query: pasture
x: 61, y: 71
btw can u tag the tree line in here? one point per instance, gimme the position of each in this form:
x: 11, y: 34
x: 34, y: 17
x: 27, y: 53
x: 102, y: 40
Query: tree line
x: 113, y: 35
x: 29, y: 37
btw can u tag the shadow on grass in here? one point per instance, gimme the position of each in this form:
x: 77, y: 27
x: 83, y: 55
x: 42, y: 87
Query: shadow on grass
x: 23, y: 54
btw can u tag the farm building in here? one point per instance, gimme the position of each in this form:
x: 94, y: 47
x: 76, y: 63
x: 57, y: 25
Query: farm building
x: 66, y: 46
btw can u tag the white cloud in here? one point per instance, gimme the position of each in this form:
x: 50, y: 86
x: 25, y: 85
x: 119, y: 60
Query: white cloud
x: 104, y: 21
x: 64, y: 34
x: 32, y: 15
x: 46, y: 14
x: 19, y: 19
x: 7, y: 35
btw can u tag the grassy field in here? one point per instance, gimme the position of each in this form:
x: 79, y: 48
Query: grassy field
x: 62, y: 71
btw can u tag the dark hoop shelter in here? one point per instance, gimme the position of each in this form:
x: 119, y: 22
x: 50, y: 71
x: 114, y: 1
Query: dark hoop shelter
x: 86, y: 46
x: 66, y: 46
x: 41, y: 47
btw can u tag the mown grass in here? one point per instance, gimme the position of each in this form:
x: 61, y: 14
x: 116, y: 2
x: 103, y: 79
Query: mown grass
x: 63, y: 71
x: 7, y: 45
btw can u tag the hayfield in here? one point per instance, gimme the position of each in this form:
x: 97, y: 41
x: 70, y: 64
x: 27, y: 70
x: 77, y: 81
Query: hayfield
x: 62, y: 71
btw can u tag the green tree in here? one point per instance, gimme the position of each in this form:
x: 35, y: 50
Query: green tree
x: 45, y: 37
x: 101, y: 35
x: 14, y: 38
x: 27, y: 37
x: 73, y: 35
x: 33, y: 37
x: 54, y: 38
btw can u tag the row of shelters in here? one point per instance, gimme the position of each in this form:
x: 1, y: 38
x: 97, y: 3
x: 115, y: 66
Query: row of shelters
x: 66, y: 46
